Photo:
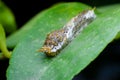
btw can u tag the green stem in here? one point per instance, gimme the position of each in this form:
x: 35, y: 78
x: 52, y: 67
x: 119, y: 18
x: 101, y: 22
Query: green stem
x: 4, y: 50
x: 3, y: 46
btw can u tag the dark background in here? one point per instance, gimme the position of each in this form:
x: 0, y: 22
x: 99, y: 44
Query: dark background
x: 105, y: 67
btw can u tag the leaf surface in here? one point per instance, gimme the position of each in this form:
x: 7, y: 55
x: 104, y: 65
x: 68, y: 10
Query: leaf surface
x: 28, y: 64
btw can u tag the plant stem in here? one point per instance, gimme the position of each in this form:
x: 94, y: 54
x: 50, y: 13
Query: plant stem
x: 4, y: 50
x: 3, y: 46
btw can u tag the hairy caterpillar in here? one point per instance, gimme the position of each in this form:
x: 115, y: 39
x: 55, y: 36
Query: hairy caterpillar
x: 59, y: 39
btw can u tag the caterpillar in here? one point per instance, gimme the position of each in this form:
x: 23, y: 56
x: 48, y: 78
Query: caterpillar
x: 59, y: 39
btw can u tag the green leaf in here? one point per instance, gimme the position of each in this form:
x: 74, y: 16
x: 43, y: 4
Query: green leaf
x: 23, y: 32
x: 7, y: 18
x: 28, y: 64
x: 13, y: 40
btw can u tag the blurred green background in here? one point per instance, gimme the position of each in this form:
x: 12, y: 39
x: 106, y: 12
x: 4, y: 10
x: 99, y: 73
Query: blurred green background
x: 105, y: 67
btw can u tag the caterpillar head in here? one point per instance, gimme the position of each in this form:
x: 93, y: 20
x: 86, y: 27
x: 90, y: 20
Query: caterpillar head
x: 53, y: 43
